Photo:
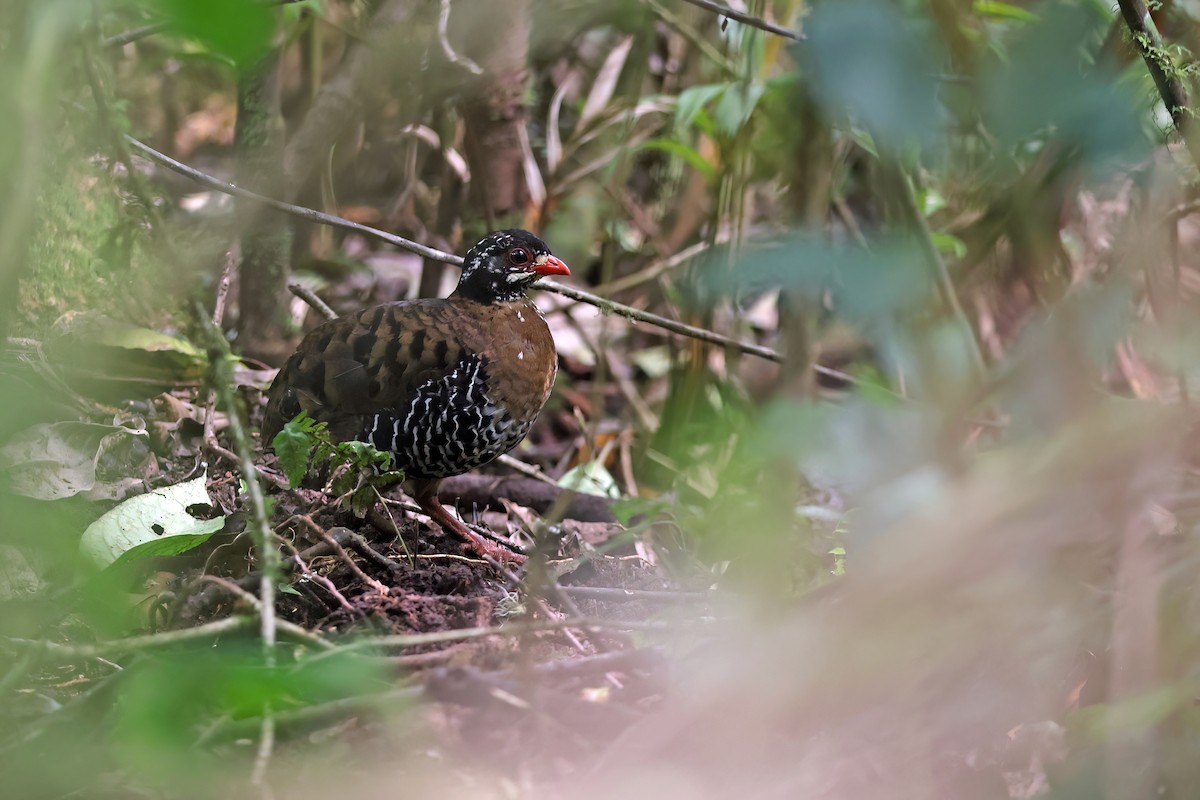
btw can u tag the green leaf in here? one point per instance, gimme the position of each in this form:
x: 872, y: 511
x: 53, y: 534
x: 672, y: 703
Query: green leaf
x: 361, y: 501
x: 951, y: 245
x: 626, y: 508
x: 694, y: 98
x: 362, y: 455
x: 876, y: 67
x: 873, y: 386
x: 151, y: 517
x: 735, y: 106
x: 999, y: 10
x: 387, y: 479
x: 1046, y: 88
x: 683, y: 151
x: 345, y: 482
x: 238, y: 31
x: 18, y: 578
x: 590, y: 478
x: 165, y: 546
x: 292, y: 446
x: 156, y: 713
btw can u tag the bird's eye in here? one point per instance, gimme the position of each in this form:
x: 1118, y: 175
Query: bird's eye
x: 519, y: 257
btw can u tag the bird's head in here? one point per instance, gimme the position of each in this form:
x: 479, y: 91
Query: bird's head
x: 503, y: 265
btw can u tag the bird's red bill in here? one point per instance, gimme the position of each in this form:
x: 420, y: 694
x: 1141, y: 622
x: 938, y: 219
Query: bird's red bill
x: 553, y: 266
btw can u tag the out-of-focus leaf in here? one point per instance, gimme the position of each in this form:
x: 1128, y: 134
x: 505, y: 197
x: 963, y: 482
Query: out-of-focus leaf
x: 165, y: 546
x: 171, y: 697
x: 236, y: 30
x: 654, y: 361
x: 681, y: 150
x: 869, y: 62
x: 1005, y: 11
x: 694, y: 98
x: 1048, y: 85
x: 734, y: 107
x: 869, y: 287
x: 148, y: 518
x: 17, y: 578
x: 951, y: 245
x: 107, y: 359
x: 53, y: 461
x: 1138, y: 714
x: 606, y: 81
x: 590, y: 478
x: 871, y: 385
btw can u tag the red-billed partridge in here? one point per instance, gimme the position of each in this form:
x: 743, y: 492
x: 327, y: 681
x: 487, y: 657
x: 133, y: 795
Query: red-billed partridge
x: 444, y: 385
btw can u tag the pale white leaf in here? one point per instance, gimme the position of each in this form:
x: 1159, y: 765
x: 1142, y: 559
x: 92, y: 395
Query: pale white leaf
x: 145, y: 518
x: 606, y: 82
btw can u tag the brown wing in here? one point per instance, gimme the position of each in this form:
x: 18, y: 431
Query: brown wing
x: 354, y: 367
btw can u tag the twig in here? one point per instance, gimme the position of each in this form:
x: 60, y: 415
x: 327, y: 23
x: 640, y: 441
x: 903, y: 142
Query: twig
x: 514, y: 629
x: 320, y: 580
x: 318, y: 714
x: 341, y: 553
x: 746, y: 19
x: 364, y: 549
x: 262, y: 757
x: 309, y: 296
x: 264, y: 539
x: 210, y: 437
x: 700, y: 42
x: 660, y: 266
x: 399, y: 536
x: 404, y: 697
x: 437, y: 255
x: 444, y: 41
x: 137, y: 644
x: 203, y: 601
x: 281, y: 625
x: 654, y: 319
x: 133, y: 34
x: 934, y: 261
x: 609, y: 593
x: 528, y: 470
x: 1149, y: 44
x: 288, y: 208
x: 388, y: 525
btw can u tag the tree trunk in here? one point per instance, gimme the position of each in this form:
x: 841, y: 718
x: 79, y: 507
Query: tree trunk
x: 496, y: 37
x: 266, y: 240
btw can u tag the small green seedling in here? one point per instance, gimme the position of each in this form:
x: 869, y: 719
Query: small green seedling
x: 357, y: 471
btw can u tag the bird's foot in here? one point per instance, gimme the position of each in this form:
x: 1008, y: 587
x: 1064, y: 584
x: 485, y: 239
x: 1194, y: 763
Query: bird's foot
x: 483, y: 546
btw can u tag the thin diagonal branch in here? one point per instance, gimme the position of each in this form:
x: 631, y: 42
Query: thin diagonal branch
x: 1170, y: 87
x: 746, y: 19
x: 136, y: 644
x: 133, y: 35
x: 437, y: 255
x: 297, y: 211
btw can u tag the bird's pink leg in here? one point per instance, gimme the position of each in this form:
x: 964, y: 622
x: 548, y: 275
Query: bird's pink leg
x: 427, y: 499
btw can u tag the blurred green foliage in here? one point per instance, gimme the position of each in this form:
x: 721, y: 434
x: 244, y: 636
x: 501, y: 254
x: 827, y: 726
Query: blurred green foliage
x: 880, y: 68
x: 238, y: 31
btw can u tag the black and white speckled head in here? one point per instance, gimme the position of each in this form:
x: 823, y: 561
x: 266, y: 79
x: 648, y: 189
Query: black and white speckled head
x: 503, y: 265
